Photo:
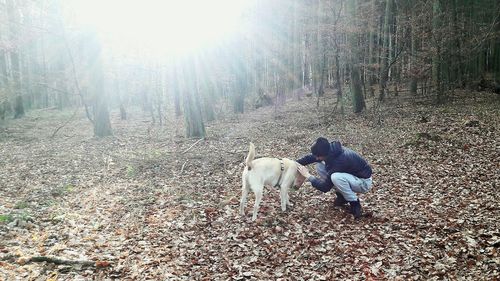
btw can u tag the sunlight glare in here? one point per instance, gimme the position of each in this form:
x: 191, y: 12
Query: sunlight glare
x: 168, y: 27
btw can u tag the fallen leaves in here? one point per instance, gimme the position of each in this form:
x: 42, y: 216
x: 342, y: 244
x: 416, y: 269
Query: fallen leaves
x: 123, y: 205
x: 102, y: 264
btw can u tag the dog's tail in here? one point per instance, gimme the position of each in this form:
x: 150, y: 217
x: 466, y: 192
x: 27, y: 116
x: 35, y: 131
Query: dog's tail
x: 250, y: 156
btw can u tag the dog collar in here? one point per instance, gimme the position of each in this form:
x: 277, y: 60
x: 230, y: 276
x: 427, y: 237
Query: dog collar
x: 281, y: 174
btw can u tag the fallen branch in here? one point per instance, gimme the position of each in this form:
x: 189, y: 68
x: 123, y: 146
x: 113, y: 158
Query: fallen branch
x: 189, y: 148
x: 59, y: 261
x: 182, y: 168
x: 238, y: 152
x: 69, y: 120
x: 11, y: 258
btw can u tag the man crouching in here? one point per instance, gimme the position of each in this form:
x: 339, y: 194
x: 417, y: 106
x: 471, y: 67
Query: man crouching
x: 338, y: 167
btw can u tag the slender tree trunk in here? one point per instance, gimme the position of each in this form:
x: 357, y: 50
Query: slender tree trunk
x: 16, y: 83
x: 436, y: 59
x: 120, y: 96
x: 371, y: 49
x: 208, y: 101
x: 44, y: 94
x: 123, y: 111
x: 337, y: 78
x: 318, y: 54
x: 176, y: 89
x: 496, y: 64
x: 304, y: 64
x: 102, y: 124
x: 459, y: 65
x: 241, y: 86
x: 412, y: 64
x: 13, y: 17
x: 296, y: 73
x: 384, y: 68
x: 61, y: 84
x: 193, y: 118
x: 4, y: 86
x: 356, y: 87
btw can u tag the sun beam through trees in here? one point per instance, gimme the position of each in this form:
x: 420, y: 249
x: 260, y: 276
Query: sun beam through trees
x: 124, y: 127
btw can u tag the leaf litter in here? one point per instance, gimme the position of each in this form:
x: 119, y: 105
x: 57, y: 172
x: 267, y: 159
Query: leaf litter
x: 147, y: 204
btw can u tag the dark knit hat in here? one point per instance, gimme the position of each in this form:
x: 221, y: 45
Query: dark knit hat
x: 321, y: 147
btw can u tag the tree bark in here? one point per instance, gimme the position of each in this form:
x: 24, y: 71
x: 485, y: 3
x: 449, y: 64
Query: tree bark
x: 356, y: 87
x: 241, y: 85
x: 412, y: 64
x: 193, y: 118
x: 436, y: 59
x: 102, y: 124
x: 384, y: 68
x: 176, y: 88
x: 13, y: 17
x: 4, y: 86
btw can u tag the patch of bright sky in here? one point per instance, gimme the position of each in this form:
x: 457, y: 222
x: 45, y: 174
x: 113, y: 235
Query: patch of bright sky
x: 164, y: 27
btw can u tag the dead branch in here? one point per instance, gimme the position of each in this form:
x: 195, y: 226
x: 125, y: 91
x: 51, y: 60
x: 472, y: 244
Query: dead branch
x: 189, y: 148
x: 58, y: 261
x: 69, y: 120
x: 238, y: 152
x: 182, y: 168
x: 75, y: 76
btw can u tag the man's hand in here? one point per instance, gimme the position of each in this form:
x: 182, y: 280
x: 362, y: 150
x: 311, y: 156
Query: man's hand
x: 303, y: 171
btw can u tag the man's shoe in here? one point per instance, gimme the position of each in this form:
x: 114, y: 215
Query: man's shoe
x: 340, y: 200
x: 355, y: 209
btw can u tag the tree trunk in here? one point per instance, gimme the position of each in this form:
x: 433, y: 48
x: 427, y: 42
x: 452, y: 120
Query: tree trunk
x: 318, y: 54
x: 496, y: 64
x: 459, y: 65
x: 356, y: 87
x: 119, y: 95
x: 295, y: 47
x: 208, y: 101
x: 240, y: 88
x: 436, y: 59
x: 176, y: 88
x: 44, y: 94
x: 192, y: 109
x: 4, y: 86
x: 14, y: 22
x: 384, y: 68
x: 102, y: 124
x: 339, y: 83
x: 371, y: 50
x: 156, y: 92
x: 412, y: 64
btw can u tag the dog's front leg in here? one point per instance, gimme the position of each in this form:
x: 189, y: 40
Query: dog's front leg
x: 288, y: 203
x: 283, y: 198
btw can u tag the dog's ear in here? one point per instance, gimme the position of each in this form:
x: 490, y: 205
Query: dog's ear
x: 299, y: 180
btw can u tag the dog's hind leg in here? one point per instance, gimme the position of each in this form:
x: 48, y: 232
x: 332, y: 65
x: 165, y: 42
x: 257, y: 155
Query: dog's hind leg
x: 244, y: 193
x: 258, y: 198
x: 284, y: 194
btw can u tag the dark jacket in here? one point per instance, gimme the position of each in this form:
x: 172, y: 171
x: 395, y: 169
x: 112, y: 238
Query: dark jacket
x: 339, y: 160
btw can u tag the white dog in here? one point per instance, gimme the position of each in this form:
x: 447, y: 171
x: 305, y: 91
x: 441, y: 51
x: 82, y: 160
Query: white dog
x: 268, y: 171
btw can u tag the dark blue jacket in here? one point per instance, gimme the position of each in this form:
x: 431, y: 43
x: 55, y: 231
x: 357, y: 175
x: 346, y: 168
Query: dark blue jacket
x: 339, y: 160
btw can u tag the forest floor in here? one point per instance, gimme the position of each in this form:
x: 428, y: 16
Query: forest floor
x: 149, y: 204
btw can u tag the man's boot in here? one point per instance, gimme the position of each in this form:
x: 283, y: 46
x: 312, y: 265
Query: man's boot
x: 355, y: 209
x: 340, y: 200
